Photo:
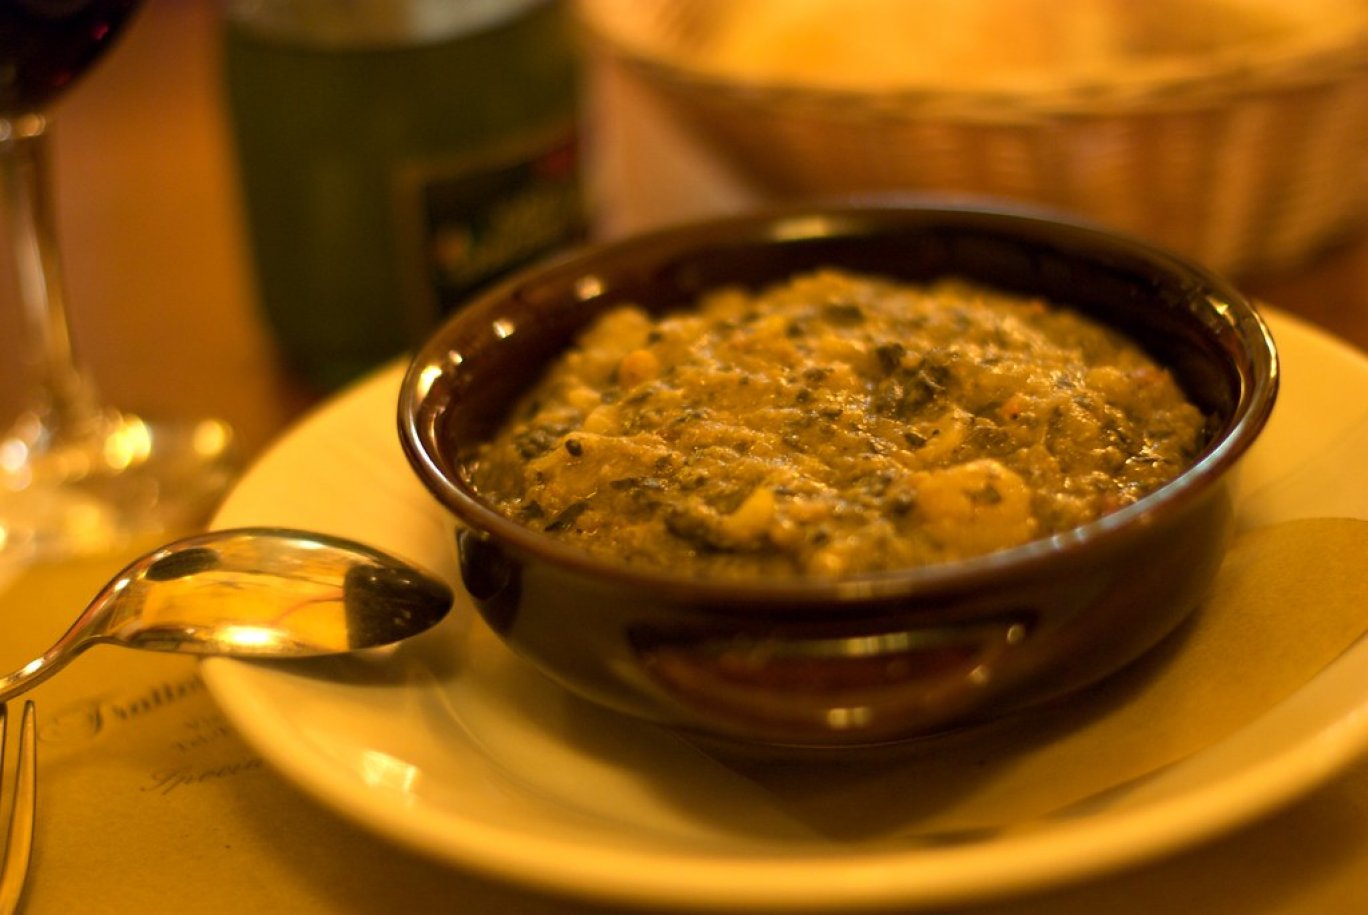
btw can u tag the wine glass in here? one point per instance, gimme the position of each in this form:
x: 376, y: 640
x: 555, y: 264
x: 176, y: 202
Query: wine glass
x: 76, y: 476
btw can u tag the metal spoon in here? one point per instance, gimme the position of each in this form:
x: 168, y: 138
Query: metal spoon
x: 251, y: 592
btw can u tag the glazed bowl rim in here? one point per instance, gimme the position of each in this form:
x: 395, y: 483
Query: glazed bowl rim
x: 1258, y: 390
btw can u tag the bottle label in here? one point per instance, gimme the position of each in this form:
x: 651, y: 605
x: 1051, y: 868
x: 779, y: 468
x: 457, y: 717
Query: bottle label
x: 470, y: 220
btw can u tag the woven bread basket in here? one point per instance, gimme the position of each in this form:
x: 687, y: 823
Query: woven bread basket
x: 1247, y: 156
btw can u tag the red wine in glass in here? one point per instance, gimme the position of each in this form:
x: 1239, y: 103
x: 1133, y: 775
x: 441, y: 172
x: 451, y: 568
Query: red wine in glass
x: 76, y: 476
x: 46, y: 44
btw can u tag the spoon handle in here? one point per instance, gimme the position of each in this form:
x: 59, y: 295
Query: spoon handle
x: 84, y: 633
x: 39, y: 669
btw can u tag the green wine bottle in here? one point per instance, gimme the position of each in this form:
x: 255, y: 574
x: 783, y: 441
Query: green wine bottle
x: 395, y: 156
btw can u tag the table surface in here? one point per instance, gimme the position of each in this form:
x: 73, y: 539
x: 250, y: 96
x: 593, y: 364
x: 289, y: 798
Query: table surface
x: 160, y: 283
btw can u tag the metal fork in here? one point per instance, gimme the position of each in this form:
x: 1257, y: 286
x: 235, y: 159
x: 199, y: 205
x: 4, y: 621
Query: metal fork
x: 23, y: 799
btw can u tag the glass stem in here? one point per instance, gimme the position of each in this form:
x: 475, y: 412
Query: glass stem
x: 65, y: 406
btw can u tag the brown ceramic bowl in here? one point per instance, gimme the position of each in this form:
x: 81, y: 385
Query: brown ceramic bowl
x: 871, y: 658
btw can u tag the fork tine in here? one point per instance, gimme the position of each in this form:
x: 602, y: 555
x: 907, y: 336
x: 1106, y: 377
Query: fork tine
x: 19, y: 846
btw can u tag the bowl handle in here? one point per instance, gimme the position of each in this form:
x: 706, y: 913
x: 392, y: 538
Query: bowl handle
x: 820, y: 690
x: 490, y: 576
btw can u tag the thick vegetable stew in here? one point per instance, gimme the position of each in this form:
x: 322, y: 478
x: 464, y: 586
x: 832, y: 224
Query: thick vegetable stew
x: 833, y: 425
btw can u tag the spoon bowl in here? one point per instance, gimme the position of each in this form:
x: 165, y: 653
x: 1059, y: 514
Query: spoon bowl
x: 251, y: 592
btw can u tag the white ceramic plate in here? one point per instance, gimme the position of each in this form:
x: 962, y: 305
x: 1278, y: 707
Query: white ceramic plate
x: 451, y: 746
